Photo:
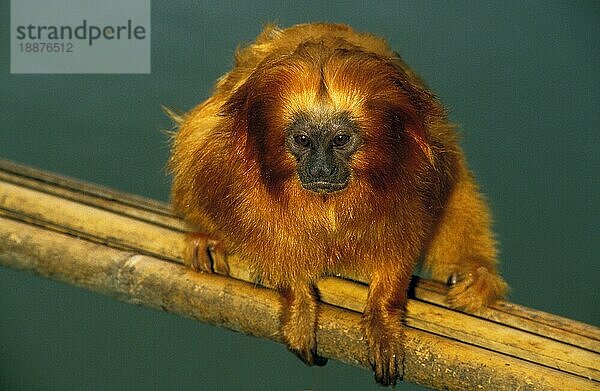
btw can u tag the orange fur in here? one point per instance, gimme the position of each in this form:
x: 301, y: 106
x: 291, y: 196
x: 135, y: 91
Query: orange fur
x: 410, y: 194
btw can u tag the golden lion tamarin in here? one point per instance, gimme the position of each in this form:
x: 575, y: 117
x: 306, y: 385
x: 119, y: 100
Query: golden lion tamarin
x: 322, y: 153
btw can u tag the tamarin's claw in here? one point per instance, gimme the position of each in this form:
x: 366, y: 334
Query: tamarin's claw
x: 309, y: 357
x: 202, y: 253
x: 453, y: 279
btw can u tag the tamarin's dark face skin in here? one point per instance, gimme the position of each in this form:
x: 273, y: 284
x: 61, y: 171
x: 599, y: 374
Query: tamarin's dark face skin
x: 323, y: 144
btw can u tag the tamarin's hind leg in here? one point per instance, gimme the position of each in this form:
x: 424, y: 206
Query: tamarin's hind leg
x: 203, y: 253
x: 463, y: 250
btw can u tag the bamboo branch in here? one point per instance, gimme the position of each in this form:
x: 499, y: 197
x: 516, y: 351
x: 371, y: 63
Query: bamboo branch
x: 129, y: 248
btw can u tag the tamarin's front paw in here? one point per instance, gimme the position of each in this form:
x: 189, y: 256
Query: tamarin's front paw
x: 475, y: 289
x: 386, y: 352
x: 203, y: 253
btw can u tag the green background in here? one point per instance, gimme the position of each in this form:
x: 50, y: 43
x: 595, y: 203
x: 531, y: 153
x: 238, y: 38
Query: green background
x: 520, y: 77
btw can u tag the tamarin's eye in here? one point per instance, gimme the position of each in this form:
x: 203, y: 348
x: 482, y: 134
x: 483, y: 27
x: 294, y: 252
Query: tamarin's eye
x: 302, y: 140
x: 340, y: 140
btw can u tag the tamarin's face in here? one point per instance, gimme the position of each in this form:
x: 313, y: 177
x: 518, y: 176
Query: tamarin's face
x: 322, y: 142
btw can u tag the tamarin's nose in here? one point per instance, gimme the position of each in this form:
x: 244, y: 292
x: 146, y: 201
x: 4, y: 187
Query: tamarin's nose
x: 323, y: 167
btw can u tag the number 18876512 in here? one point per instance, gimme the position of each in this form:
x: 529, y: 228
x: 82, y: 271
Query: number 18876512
x: 46, y: 47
